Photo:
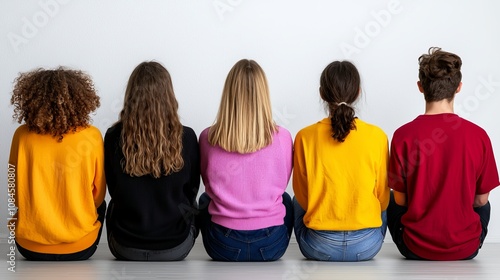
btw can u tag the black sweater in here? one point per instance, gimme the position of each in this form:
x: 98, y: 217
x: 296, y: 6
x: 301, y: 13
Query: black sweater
x: 146, y: 212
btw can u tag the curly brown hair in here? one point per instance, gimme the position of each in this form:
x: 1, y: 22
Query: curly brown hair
x: 54, y: 101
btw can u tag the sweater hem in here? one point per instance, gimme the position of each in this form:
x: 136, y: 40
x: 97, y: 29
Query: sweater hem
x: 248, y: 224
x: 61, y: 248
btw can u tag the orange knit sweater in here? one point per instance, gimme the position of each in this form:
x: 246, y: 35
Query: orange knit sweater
x: 59, y: 186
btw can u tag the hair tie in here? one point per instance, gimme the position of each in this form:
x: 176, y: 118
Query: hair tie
x: 342, y: 103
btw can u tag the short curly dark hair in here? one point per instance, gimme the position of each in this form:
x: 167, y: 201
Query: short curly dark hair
x: 54, y: 101
x: 440, y: 75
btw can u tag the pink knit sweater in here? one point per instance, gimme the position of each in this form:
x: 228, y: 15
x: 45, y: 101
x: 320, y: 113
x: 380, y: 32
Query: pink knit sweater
x: 247, y: 189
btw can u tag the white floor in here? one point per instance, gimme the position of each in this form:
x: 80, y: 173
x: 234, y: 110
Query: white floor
x: 388, y: 264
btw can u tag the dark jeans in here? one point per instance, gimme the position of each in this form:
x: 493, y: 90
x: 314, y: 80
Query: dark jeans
x: 122, y: 252
x: 177, y: 253
x: 78, y: 256
x: 225, y: 244
x: 395, y: 212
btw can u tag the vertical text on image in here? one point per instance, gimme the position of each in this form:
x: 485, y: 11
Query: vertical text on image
x: 12, y: 210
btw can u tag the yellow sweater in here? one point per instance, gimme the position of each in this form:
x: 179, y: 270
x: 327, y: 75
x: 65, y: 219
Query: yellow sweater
x: 59, y: 186
x: 341, y: 186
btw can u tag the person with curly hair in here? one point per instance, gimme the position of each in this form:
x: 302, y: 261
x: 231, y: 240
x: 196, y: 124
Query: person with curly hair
x: 441, y: 169
x: 152, y: 166
x: 59, y: 166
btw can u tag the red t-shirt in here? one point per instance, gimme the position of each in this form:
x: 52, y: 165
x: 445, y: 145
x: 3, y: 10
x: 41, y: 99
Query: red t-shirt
x: 441, y: 162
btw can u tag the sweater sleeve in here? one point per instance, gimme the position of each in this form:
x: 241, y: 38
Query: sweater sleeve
x: 204, y: 149
x: 382, y: 185
x: 109, y: 150
x: 287, y: 153
x: 299, y: 173
x: 396, y: 177
x: 191, y: 189
x: 488, y: 176
x: 99, y: 190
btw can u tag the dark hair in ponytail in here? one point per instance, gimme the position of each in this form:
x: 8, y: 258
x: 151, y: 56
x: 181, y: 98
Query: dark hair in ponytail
x: 340, y: 83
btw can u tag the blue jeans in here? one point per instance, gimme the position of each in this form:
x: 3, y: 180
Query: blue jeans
x: 225, y: 244
x: 342, y: 246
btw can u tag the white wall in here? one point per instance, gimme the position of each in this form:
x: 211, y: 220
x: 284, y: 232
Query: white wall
x: 199, y: 41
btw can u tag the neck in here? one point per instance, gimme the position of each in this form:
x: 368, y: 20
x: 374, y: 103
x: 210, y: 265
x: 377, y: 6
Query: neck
x: 439, y: 107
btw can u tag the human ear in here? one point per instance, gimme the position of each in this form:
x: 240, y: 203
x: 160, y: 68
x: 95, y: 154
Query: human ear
x: 459, y: 88
x: 420, y: 87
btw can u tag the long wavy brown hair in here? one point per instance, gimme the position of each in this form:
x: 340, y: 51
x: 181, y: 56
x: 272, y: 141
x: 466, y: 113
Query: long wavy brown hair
x: 54, y: 102
x: 151, y: 137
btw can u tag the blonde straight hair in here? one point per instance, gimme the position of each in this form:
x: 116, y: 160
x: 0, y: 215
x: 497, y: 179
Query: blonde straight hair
x: 244, y: 122
x: 151, y: 137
